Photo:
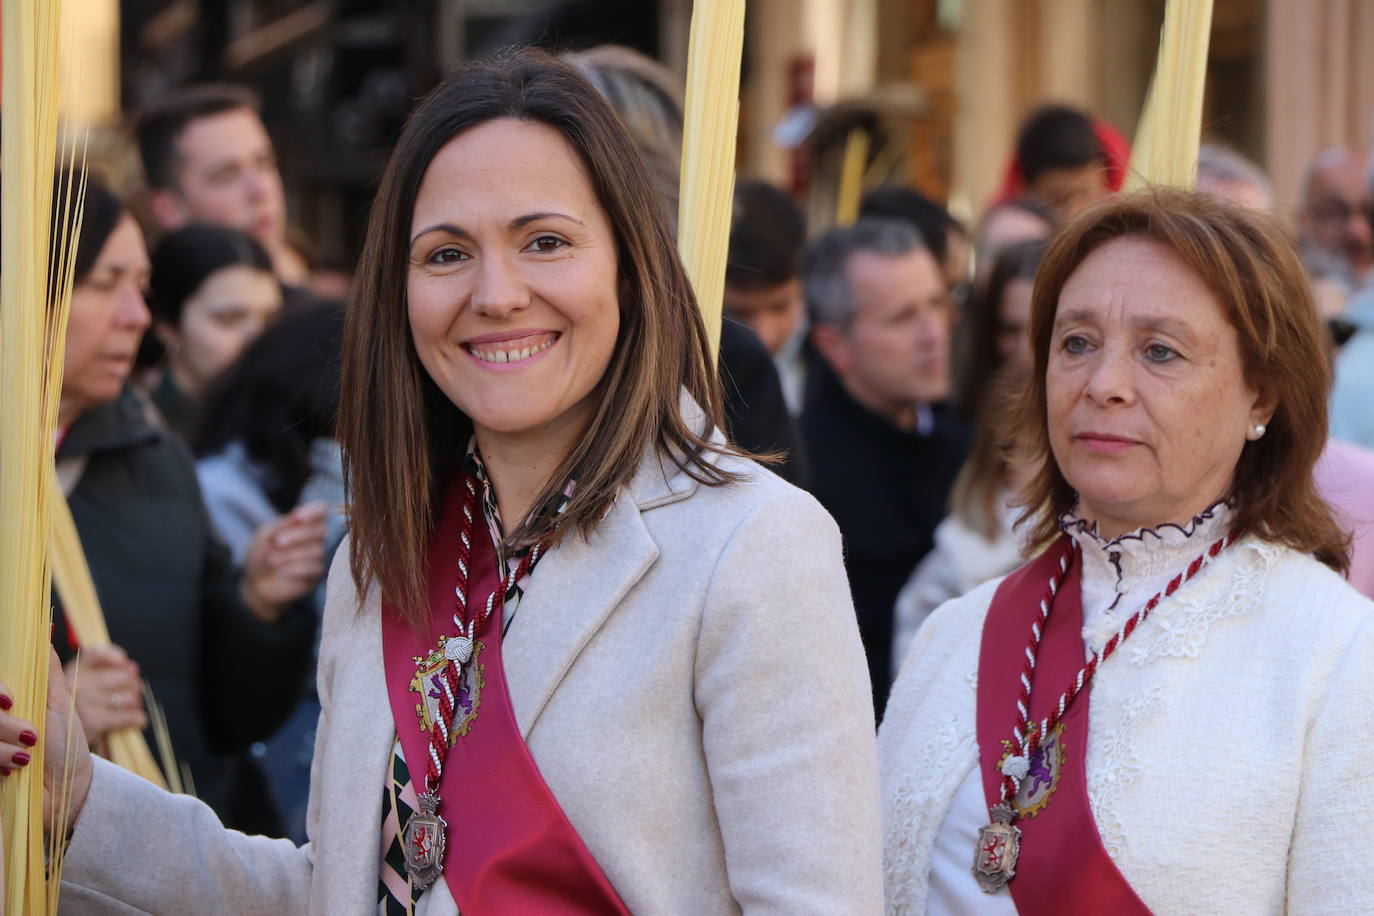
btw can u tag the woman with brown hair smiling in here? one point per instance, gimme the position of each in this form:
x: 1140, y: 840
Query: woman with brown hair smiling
x: 1188, y: 587
x: 583, y: 656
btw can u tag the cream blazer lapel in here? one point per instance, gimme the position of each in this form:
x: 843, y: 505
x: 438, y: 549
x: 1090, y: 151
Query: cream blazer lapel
x: 576, y: 587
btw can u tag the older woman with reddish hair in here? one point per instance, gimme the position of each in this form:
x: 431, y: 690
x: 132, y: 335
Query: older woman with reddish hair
x: 1187, y: 586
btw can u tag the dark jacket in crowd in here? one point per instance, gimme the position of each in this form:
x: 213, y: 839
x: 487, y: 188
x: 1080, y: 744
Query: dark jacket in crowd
x: 178, y: 410
x: 756, y: 414
x: 171, y: 600
x: 887, y: 489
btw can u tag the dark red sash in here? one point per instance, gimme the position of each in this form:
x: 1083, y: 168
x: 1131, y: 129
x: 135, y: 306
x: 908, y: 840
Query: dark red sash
x: 1063, y: 868
x: 511, y: 849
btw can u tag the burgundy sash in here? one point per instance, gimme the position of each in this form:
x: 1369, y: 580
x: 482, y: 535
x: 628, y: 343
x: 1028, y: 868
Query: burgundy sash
x: 511, y: 849
x: 1063, y: 868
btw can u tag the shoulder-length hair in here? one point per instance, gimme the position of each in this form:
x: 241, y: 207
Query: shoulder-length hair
x: 983, y: 480
x: 402, y: 437
x: 1254, y: 271
x: 981, y: 323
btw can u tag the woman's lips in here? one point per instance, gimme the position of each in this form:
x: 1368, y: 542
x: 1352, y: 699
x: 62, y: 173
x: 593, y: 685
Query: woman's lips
x: 1105, y: 443
x: 503, y: 350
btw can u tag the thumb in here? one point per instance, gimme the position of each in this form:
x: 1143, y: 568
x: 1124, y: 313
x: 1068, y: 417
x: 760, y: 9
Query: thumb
x: 59, y: 691
x: 106, y: 656
x: 308, y: 513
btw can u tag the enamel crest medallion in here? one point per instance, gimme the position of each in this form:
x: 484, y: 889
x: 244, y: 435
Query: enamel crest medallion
x: 1042, y: 779
x: 428, y: 683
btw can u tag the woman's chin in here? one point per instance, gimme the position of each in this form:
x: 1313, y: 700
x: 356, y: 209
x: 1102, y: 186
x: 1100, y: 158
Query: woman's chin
x: 99, y: 392
x: 1127, y: 503
x: 502, y: 424
x: 535, y: 413
x: 514, y: 420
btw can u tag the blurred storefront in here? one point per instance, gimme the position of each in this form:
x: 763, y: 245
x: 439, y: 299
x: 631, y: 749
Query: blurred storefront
x: 1285, y: 77
x: 936, y: 86
x: 336, y: 77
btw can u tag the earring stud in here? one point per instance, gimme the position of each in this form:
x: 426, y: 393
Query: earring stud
x: 1259, y: 430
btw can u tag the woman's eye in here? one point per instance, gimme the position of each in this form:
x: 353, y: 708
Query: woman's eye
x: 448, y: 255
x: 547, y: 243
x: 1075, y: 344
x: 100, y: 284
x: 1158, y: 353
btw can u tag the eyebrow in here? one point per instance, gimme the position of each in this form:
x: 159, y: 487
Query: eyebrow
x: 518, y: 223
x: 1146, y: 322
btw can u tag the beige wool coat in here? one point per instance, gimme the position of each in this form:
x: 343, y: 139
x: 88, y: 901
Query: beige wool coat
x: 689, y: 680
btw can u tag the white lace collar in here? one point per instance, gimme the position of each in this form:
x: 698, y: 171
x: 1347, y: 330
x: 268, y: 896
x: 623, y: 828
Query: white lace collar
x: 1122, y: 573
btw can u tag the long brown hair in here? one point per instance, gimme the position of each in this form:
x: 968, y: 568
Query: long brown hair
x: 1252, y: 268
x: 402, y: 437
x: 983, y: 480
x: 980, y: 354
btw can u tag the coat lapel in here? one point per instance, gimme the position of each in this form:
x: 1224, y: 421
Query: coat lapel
x: 574, y: 589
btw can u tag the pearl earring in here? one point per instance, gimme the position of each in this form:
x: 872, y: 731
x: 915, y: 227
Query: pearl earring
x: 1259, y: 430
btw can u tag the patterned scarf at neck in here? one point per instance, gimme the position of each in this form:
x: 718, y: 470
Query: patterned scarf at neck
x: 508, y: 557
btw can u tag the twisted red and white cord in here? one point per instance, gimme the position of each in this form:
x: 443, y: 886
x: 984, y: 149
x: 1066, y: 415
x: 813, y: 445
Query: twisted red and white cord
x: 458, y: 649
x: 1027, y: 737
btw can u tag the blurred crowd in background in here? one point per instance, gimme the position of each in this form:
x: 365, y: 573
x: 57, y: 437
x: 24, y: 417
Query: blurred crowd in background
x: 876, y: 354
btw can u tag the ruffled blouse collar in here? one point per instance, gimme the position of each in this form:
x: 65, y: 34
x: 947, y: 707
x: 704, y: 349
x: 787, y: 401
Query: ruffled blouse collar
x: 1120, y: 574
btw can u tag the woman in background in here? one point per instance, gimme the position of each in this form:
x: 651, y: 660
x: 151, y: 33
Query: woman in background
x: 212, y: 291
x: 267, y: 447
x: 266, y: 441
x: 996, y: 321
x: 224, y: 651
x: 976, y: 541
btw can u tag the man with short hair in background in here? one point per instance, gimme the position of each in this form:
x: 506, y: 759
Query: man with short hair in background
x: 1061, y: 161
x: 208, y: 159
x: 1333, y: 219
x: 884, y: 449
x: 763, y: 281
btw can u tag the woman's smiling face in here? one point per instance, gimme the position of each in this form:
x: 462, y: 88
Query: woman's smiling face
x: 1148, y: 404
x: 512, y: 280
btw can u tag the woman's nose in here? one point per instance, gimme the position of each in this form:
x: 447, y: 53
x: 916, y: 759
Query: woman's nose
x: 133, y: 309
x: 500, y: 289
x: 1110, y: 381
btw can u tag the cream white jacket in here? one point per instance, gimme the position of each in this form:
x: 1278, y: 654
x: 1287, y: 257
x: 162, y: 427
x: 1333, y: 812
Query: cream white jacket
x: 689, y: 680
x: 1231, y: 745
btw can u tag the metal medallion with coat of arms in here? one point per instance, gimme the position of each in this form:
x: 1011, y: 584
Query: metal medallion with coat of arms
x: 1042, y: 776
x: 429, y: 684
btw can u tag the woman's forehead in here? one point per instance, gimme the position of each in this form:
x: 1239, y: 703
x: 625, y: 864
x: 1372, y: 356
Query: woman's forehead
x: 503, y: 169
x: 1138, y: 281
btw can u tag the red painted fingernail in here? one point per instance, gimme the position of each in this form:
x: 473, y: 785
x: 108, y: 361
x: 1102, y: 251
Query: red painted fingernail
x: 29, y: 738
x: 5, y: 702
x: 20, y: 759
x: 4, y: 771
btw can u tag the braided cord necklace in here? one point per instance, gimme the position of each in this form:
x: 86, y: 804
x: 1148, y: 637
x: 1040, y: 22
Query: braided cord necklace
x: 999, y: 843
x: 425, y: 832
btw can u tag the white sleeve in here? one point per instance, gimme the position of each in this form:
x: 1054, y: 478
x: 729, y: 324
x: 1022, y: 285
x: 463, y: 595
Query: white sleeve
x: 1332, y: 837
